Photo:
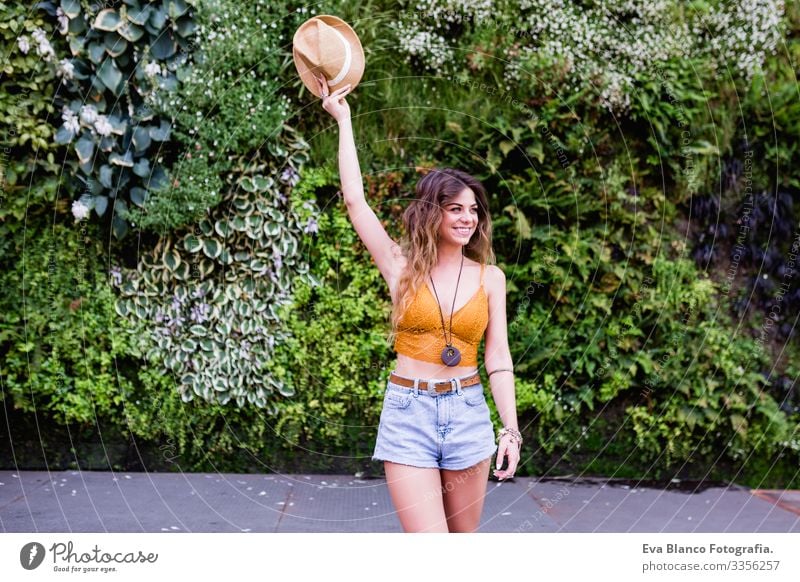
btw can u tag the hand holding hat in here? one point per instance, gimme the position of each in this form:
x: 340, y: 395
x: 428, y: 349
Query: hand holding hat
x: 326, y: 45
x: 334, y: 103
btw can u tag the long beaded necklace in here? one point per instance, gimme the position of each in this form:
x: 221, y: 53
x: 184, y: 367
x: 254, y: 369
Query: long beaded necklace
x: 450, y: 354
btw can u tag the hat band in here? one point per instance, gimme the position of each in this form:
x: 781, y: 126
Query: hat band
x: 348, y: 57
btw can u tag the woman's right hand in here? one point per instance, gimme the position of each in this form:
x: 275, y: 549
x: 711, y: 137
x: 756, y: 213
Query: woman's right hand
x: 334, y: 103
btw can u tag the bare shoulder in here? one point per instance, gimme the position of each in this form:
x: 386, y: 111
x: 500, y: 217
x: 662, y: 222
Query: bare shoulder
x: 495, y: 281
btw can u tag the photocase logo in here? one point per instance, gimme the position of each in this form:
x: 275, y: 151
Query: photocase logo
x: 31, y: 555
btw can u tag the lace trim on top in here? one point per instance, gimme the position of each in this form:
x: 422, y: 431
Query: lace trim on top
x: 420, y: 336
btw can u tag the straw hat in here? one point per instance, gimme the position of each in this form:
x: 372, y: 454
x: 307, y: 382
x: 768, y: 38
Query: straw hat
x: 326, y: 44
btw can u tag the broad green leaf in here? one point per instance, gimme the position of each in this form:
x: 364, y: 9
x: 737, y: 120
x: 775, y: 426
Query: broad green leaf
x: 223, y: 228
x: 261, y: 183
x: 100, y: 204
x: 97, y: 52
x: 164, y: 46
x: 172, y: 259
x: 64, y: 135
x: 119, y: 227
x: 85, y: 149
x: 141, y: 138
x: 142, y: 168
x: 160, y: 133
x: 177, y: 8
x: 139, y: 15
x: 106, y: 175
x: 158, y: 179
x: 186, y: 27
x: 111, y: 76
x: 130, y: 32
x: 138, y: 196
x: 125, y: 160
x: 211, y: 248
x: 115, y: 44
x: 121, y: 307
x: 158, y: 18
x: 71, y: 8
x: 192, y: 244
x: 247, y: 184
x: 107, y: 20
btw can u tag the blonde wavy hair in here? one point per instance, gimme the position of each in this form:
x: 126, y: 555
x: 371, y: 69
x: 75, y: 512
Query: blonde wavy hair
x: 419, y: 244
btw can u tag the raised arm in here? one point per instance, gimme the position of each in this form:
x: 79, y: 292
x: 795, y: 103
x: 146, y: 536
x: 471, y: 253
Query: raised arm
x: 371, y: 232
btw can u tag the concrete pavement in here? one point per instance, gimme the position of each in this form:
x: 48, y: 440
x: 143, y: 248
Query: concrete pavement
x: 94, y: 501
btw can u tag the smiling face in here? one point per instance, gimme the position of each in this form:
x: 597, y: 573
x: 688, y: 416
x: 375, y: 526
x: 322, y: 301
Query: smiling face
x: 459, y: 218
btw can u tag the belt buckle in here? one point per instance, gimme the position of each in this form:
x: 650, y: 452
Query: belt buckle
x: 431, y: 388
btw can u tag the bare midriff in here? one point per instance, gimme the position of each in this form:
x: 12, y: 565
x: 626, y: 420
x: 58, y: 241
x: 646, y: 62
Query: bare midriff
x: 412, y: 368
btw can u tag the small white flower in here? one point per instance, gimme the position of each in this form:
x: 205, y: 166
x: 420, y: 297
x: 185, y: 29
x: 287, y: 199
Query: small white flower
x: 63, y: 20
x: 39, y: 36
x: 152, y: 69
x: 43, y: 47
x: 79, y: 210
x: 102, y: 125
x: 70, y: 120
x: 24, y: 44
x: 88, y: 114
x: 46, y: 51
x: 65, y: 68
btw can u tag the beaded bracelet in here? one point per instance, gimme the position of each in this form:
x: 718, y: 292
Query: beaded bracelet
x: 513, y: 433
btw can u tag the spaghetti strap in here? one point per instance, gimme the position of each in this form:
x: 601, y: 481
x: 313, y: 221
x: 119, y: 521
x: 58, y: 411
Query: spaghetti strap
x: 482, y: 268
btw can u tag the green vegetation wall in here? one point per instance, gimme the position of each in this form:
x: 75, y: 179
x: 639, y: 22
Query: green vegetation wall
x: 183, y: 289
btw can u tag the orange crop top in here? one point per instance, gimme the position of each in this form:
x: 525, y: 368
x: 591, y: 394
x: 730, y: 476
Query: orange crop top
x: 419, y: 331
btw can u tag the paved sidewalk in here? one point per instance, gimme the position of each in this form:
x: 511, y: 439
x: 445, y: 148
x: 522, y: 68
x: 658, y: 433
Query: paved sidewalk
x: 89, y: 501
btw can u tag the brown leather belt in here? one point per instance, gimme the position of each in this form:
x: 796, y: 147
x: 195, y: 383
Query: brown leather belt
x: 438, y: 387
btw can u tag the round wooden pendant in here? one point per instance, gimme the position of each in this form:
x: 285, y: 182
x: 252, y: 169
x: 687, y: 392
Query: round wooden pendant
x: 451, y: 356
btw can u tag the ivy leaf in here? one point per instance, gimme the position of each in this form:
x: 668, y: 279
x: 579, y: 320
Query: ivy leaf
x: 177, y: 8
x: 71, y: 8
x: 138, y: 196
x: 158, y: 17
x: 96, y: 52
x: 106, y: 174
x: 141, y: 139
x: 158, y: 179
x: 142, y: 167
x: 100, y: 204
x: 160, y: 133
x: 119, y: 227
x: 107, y: 20
x: 139, y: 15
x: 111, y: 76
x: 130, y: 32
x: 164, y: 46
x: 185, y: 27
x: 125, y: 160
x: 64, y: 135
x: 115, y: 44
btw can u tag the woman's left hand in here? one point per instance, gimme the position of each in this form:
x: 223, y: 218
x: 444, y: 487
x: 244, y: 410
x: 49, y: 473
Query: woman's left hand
x: 507, y: 447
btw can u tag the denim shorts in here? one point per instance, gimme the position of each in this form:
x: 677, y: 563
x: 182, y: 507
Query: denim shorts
x: 452, y: 430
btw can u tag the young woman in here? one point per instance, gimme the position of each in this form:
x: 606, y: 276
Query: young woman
x: 435, y: 435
